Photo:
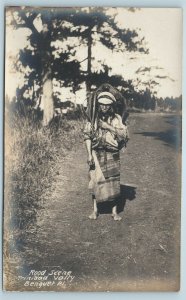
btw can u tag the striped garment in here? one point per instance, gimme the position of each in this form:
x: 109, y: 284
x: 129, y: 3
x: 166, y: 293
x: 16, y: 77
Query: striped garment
x: 105, y: 178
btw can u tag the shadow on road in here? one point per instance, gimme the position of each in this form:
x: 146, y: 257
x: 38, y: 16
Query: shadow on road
x: 172, y: 136
x: 127, y: 193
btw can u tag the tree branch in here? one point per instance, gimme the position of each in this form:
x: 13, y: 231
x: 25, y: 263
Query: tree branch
x: 28, y: 23
x: 83, y: 60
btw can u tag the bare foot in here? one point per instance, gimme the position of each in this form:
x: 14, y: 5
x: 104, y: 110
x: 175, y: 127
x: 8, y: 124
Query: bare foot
x: 116, y: 217
x: 93, y: 216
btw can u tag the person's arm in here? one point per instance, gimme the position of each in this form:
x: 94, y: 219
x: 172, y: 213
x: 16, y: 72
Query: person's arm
x: 120, y: 131
x: 88, y: 144
x: 105, y: 125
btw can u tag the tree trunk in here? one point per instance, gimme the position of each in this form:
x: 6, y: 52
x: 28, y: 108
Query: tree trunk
x: 89, y: 44
x: 47, y: 97
x: 46, y: 81
x: 156, y: 105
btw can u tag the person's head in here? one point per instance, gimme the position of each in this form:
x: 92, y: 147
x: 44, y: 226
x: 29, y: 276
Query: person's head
x: 106, y: 102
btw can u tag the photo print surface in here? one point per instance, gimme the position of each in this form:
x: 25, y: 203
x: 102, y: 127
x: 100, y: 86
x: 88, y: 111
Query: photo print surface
x: 92, y: 149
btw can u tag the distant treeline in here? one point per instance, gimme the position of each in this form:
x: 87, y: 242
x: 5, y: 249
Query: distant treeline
x: 146, y: 101
x: 143, y: 101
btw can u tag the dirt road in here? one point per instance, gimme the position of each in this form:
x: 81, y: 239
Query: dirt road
x: 142, y: 250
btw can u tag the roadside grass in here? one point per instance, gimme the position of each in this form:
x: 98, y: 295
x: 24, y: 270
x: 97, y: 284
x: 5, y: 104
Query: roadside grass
x: 32, y: 154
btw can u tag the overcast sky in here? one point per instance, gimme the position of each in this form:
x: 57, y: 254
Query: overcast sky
x: 162, y: 29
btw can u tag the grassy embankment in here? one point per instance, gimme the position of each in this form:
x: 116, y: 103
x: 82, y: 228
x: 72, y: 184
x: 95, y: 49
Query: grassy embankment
x: 32, y: 154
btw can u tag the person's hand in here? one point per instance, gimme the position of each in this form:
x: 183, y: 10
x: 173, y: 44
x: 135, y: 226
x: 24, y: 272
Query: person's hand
x: 90, y: 160
x: 104, y: 125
